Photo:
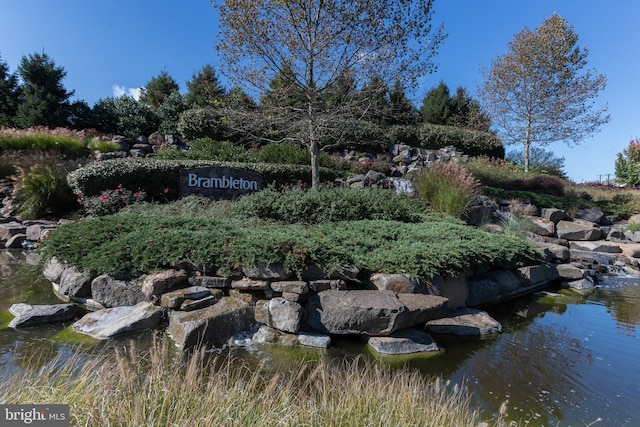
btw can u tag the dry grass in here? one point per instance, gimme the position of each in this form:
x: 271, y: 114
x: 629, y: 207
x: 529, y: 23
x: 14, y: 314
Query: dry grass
x: 164, y: 388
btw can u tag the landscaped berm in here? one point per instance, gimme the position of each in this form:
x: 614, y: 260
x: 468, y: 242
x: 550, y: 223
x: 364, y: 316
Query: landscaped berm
x: 400, y: 257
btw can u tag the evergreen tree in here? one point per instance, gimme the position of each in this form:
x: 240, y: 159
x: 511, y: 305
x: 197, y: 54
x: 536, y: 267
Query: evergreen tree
x: 283, y: 93
x: 169, y: 113
x: 158, y: 89
x: 374, y: 101
x: 466, y: 112
x: 436, y: 105
x: 204, y: 88
x: 45, y: 101
x: 9, y: 95
x: 402, y: 110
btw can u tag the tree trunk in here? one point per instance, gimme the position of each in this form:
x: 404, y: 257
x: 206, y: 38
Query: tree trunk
x: 527, y: 144
x: 315, y: 164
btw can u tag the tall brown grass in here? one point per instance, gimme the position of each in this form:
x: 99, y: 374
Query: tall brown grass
x: 163, y: 388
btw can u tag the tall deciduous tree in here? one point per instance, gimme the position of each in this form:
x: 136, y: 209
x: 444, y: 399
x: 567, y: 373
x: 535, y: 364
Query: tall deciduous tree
x: 44, y: 101
x: 9, y: 95
x: 158, y: 89
x: 539, y: 92
x: 321, y: 40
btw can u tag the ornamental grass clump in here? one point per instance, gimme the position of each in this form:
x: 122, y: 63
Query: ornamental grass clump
x: 448, y: 187
x: 130, y: 387
x: 44, y: 190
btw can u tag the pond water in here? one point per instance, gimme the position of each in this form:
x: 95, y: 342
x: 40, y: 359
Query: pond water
x: 566, y: 361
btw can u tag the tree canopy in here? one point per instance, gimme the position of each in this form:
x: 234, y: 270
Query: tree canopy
x: 158, y: 89
x: 312, y: 44
x: 44, y: 100
x: 539, y: 92
x: 9, y: 95
x: 204, y: 88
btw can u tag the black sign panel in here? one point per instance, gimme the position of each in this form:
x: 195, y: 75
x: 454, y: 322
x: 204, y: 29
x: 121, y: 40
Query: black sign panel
x: 218, y: 182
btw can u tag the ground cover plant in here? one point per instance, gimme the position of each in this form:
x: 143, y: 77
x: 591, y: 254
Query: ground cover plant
x: 159, y: 388
x: 138, y: 243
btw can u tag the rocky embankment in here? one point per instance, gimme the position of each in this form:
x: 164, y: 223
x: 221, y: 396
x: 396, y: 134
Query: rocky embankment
x: 394, y: 313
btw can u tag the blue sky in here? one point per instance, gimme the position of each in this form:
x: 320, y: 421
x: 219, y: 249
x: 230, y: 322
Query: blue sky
x: 110, y: 47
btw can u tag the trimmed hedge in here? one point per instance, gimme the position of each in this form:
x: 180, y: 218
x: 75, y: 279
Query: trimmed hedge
x: 160, y: 178
x: 471, y: 142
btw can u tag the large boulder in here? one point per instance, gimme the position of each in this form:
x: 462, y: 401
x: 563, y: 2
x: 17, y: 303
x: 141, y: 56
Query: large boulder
x: 577, y: 231
x: 111, y: 322
x: 68, y: 280
x: 541, y: 226
x: 554, y: 215
x: 113, y: 292
x: 212, y: 325
x: 362, y: 312
x: 266, y: 272
x: 592, y: 215
x: 420, y: 308
x: 165, y: 281
x: 280, y: 314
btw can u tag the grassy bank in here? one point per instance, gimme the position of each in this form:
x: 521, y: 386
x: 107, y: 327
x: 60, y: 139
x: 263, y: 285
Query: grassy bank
x: 160, y: 389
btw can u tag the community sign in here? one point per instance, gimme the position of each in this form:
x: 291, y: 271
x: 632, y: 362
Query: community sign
x: 218, y: 182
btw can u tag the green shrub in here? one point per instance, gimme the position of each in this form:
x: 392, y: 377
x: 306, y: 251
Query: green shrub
x: 447, y: 187
x: 298, y: 205
x: 198, y: 122
x: 282, y: 153
x: 159, y: 178
x: 403, y: 134
x: 222, y: 151
x: 125, y: 116
x: 44, y: 190
x: 470, y: 142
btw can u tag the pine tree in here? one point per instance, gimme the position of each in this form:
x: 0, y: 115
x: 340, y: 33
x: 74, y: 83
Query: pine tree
x: 45, y: 101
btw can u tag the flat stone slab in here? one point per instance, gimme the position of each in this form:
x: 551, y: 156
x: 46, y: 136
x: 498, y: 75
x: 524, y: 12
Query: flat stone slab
x: 465, y: 322
x: 596, y: 246
x: 407, y: 341
x: 268, y: 335
x: 110, y: 322
x: 29, y: 315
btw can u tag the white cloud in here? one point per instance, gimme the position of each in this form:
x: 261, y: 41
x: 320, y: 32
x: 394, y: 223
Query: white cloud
x: 119, y: 91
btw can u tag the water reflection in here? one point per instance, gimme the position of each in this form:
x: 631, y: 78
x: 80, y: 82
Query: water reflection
x: 622, y: 299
